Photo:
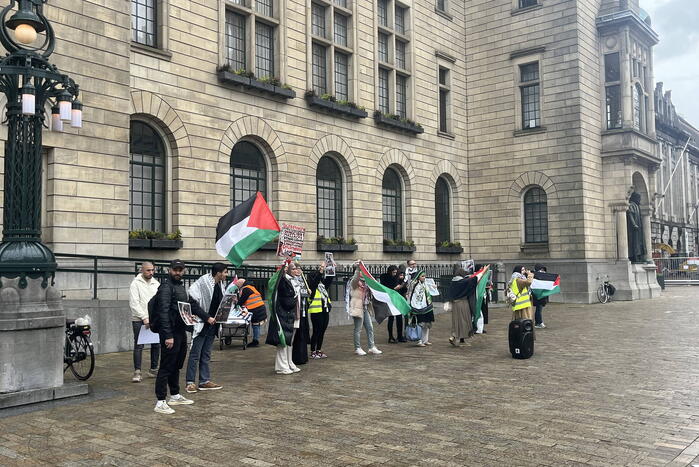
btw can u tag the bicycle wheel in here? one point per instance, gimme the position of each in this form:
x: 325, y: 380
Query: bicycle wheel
x: 83, y: 363
x: 602, y: 294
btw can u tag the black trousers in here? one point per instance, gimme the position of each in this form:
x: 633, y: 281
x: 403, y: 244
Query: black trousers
x: 399, y: 326
x: 171, y: 362
x: 138, y: 349
x: 320, y: 325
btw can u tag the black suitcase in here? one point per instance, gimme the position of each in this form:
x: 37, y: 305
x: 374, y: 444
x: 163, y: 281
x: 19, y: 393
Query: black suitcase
x: 521, y: 335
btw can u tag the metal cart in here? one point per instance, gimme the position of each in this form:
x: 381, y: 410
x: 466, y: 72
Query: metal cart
x: 234, y: 329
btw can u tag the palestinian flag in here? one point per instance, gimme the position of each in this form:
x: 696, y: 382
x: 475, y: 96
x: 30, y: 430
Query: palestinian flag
x: 387, y: 302
x: 545, y: 284
x: 272, y: 286
x: 481, y: 290
x: 244, y: 229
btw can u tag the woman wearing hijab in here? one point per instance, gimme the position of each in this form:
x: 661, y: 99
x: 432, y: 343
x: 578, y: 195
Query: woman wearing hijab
x: 389, y: 279
x: 459, y: 294
x: 520, y: 283
x: 285, y: 317
x: 319, y: 308
x: 421, y: 306
x: 302, y: 336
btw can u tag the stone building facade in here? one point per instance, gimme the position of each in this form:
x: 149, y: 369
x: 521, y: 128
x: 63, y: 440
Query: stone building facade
x: 676, y: 220
x: 523, y: 127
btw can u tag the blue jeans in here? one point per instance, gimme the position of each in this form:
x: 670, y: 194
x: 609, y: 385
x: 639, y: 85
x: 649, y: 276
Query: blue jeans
x: 538, y: 319
x: 368, y: 326
x: 256, y: 332
x: 199, y: 356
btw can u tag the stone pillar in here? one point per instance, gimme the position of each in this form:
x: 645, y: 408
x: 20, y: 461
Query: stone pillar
x: 645, y: 217
x: 622, y: 241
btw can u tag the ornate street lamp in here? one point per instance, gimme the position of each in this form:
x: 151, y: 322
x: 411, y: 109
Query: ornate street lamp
x: 29, y: 82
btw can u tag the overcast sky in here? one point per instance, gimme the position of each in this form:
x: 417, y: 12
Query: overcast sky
x: 676, y: 57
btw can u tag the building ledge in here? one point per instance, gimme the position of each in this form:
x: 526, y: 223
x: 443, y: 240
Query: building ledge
x: 151, y: 51
x: 629, y: 142
x: 530, y: 131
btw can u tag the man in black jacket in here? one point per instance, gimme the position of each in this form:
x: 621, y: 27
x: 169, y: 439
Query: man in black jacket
x: 173, y: 337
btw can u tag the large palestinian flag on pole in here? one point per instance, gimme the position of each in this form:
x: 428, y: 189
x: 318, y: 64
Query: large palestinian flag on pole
x: 481, y: 290
x: 387, y: 302
x: 545, y: 284
x: 244, y: 229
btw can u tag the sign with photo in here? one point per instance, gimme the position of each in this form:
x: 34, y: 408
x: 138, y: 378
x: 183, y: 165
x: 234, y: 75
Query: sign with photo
x: 186, y: 313
x: 431, y: 286
x: 330, y: 264
x: 290, y: 240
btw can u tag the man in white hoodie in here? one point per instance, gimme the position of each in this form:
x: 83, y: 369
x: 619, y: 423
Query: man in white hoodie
x: 143, y: 288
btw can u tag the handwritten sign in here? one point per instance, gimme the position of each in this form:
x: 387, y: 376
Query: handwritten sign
x: 290, y: 240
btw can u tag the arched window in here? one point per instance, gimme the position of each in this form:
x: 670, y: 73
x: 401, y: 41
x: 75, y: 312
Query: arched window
x: 392, y: 190
x: 147, y: 178
x: 442, y: 211
x: 536, y: 222
x: 638, y: 120
x: 329, y: 198
x: 248, y: 172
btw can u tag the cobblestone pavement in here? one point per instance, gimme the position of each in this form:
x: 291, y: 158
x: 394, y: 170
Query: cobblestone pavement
x: 611, y: 384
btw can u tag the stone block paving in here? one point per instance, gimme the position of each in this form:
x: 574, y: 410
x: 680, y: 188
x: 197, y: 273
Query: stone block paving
x: 611, y: 384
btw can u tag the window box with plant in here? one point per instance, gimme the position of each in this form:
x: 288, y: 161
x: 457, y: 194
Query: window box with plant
x: 148, y: 239
x: 395, y: 122
x: 336, y: 244
x: 398, y: 246
x: 329, y: 103
x: 451, y: 248
x: 247, y: 80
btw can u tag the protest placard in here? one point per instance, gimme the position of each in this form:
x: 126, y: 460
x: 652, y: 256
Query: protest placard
x: 431, y: 286
x: 146, y: 336
x: 330, y: 264
x: 290, y: 240
x: 186, y: 313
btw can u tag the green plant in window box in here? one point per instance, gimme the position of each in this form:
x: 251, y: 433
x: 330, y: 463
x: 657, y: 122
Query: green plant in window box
x: 448, y: 244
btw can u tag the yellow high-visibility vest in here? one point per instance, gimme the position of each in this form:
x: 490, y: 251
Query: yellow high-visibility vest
x: 523, y: 298
x: 317, y: 303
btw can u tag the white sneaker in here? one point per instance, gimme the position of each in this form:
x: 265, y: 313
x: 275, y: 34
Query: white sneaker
x: 285, y: 372
x: 420, y: 344
x: 359, y: 351
x: 179, y: 399
x: 375, y: 351
x: 540, y: 326
x: 137, y: 378
x: 162, y: 407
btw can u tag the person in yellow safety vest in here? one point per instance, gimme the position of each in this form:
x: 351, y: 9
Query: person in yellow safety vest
x: 252, y: 300
x: 520, y: 284
x: 319, y: 308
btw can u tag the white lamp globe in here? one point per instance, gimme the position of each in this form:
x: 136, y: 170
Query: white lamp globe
x: 25, y: 34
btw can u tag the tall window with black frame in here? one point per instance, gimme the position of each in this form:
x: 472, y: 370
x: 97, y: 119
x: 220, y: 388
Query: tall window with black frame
x: 536, y: 227
x: 248, y: 172
x: 612, y: 86
x: 392, y: 194
x: 147, y: 178
x: 444, y: 97
x: 251, y: 37
x: 144, y: 22
x: 442, y: 210
x: 329, y: 198
x: 530, y: 91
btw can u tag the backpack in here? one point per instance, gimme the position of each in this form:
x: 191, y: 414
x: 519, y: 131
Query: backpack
x: 153, y: 313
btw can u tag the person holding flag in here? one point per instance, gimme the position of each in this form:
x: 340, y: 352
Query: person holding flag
x: 421, y: 306
x: 361, y: 309
x: 284, y: 306
x: 543, y: 286
x: 461, y: 289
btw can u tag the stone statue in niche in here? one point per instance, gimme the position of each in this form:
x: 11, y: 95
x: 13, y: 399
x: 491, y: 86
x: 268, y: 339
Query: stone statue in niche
x: 634, y: 227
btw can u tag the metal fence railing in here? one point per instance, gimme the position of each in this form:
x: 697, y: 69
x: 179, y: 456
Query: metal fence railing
x: 678, y: 270
x: 103, y: 269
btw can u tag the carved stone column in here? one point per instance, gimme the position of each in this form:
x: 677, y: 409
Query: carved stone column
x: 645, y: 217
x: 622, y: 242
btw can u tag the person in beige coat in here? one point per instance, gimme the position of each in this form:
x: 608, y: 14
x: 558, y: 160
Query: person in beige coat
x: 361, y: 310
x: 142, y: 289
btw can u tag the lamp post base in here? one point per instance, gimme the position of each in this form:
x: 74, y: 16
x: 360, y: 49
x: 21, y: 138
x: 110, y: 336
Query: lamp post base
x: 32, y: 337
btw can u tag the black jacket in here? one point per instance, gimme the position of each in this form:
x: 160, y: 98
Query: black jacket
x: 169, y: 320
x: 285, y: 309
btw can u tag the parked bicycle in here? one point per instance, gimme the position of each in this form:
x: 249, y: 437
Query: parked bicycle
x: 79, y: 354
x: 606, y: 290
